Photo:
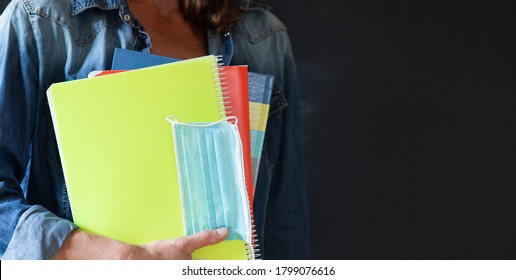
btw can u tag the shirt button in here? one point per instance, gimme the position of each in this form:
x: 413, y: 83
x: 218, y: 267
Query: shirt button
x: 127, y: 17
x: 226, y: 34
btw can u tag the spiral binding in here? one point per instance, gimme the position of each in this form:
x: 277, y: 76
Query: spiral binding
x: 253, y: 254
x: 225, y: 104
x: 252, y: 251
x: 221, y: 87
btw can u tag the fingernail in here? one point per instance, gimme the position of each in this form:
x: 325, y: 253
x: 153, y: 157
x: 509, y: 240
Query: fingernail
x: 221, y: 231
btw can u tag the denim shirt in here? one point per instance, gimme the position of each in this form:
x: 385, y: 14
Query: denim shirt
x: 45, y: 42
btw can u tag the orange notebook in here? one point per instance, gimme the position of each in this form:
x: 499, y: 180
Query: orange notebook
x: 238, y: 106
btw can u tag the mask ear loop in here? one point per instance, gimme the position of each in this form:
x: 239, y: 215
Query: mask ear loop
x: 232, y: 118
x: 173, y: 120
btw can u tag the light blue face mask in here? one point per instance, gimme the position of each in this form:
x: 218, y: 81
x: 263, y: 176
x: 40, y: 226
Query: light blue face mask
x: 211, y: 177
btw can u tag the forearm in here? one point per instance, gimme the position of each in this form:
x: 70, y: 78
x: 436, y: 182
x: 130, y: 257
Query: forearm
x: 84, y: 245
x: 81, y: 245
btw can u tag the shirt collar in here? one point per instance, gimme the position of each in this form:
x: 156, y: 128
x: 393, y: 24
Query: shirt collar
x: 217, y: 44
x: 80, y: 5
x: 221, y: 44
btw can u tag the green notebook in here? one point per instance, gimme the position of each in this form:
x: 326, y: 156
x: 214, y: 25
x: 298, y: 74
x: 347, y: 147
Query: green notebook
x: 117, y: 148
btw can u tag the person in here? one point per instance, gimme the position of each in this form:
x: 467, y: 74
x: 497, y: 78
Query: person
x: 45, y: 42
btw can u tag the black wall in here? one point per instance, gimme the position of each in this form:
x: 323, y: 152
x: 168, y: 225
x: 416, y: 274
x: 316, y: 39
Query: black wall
x: 410, y: 126
x: 3, y: 3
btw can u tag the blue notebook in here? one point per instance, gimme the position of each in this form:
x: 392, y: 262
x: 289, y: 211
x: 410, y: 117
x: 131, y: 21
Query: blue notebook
x: 130, y: 60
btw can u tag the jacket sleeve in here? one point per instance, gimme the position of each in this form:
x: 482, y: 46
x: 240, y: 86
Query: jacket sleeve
x: 288, y: 193
x: 27, y: 231
x: 281, y: 201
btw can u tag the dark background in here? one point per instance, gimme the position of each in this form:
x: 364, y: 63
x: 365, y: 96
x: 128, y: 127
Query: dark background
x: 409, y: 115
x: 3, y: 3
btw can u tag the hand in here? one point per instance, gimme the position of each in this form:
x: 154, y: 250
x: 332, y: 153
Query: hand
x: 87, y: 246
x: 177, y: 249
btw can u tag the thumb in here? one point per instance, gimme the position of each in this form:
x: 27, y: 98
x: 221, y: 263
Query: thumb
x: 202, y: 239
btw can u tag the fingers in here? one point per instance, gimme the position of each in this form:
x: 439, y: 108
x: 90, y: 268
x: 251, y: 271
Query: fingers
x: 181, y: 248
x: 202, y: 239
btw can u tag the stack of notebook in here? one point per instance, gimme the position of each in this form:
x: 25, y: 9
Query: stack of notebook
x: 117, y: 149
x: 259, y: 90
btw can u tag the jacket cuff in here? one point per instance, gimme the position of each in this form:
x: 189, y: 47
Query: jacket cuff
x: 39, y: 234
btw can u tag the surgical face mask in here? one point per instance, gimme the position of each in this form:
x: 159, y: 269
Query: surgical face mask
x: 211, y: 177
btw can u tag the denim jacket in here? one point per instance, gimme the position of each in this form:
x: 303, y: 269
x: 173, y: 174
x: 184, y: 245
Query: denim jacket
x: 45, y: 42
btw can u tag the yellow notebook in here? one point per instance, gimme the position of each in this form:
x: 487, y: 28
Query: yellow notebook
x: 117, y: 149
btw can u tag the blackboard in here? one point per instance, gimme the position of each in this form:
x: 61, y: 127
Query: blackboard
x: 410, y: 126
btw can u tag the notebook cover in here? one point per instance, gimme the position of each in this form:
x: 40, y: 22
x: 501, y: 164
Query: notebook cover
x: 236, y: 91
x: 238, y: 95
x: 130, y: 60
x: 260, y: 91
x: 239, y: 98
x: 117, y: 149
x: 237, y: 104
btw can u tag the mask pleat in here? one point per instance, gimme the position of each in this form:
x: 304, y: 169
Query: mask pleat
x: 224, y: 149
x: 204, y: 165
x: 194, y: 173
x: 212, y: 182
x: 183, y: 176
x: 243, y: 220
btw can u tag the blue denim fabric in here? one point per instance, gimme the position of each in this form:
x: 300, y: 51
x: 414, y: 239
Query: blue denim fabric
x: 44, y: 42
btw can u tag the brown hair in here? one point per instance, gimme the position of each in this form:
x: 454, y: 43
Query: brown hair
x: 218, y: 15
